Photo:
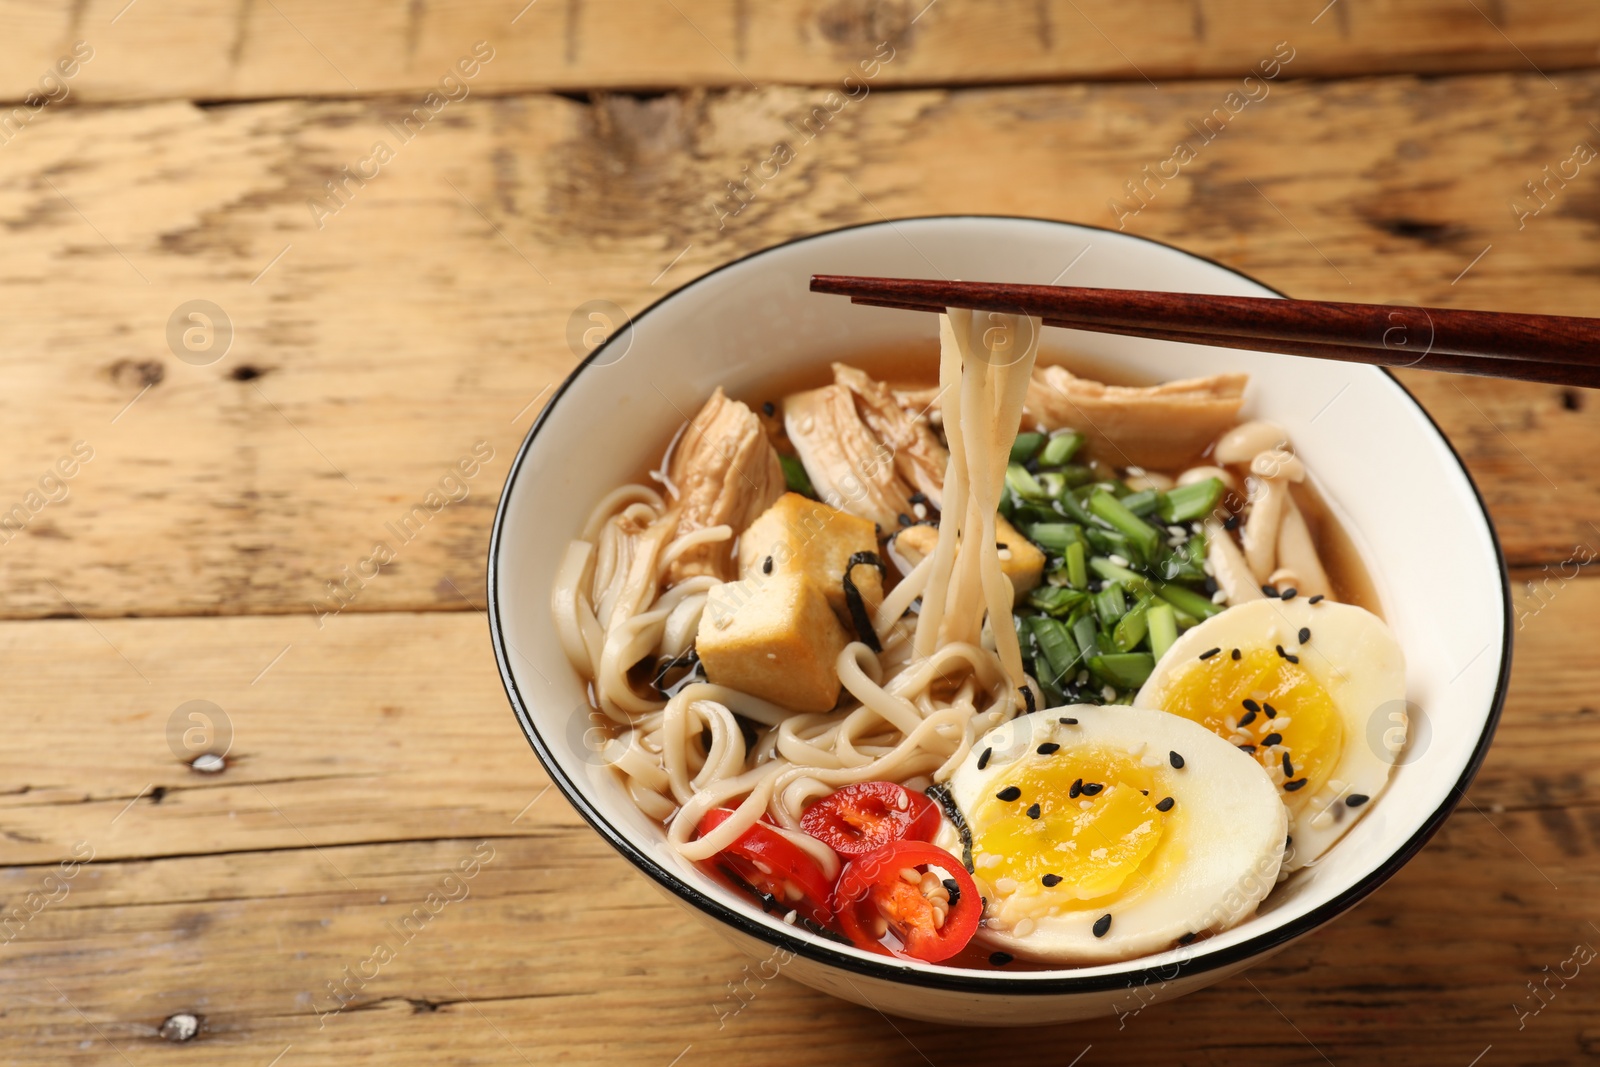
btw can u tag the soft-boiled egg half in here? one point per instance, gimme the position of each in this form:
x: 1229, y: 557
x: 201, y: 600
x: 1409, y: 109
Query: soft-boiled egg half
x: 1104, y: 833
x: 1298, y: 686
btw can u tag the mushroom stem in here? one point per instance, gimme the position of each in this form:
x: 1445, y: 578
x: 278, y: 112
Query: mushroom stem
x: 1297, y: 552
x: 1228, y: 565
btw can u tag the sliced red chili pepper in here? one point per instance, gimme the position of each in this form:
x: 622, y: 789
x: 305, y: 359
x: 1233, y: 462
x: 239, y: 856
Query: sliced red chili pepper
x: 872, y: 896
x: 774, y: 866
x: 866, y: 816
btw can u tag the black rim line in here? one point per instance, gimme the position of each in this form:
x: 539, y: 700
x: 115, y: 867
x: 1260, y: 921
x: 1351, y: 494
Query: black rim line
x: 1011, y: 983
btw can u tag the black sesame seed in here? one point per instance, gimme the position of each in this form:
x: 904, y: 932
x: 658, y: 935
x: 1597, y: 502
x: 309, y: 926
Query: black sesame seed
x: 1281, y: 652
x: 1271, y: 739
x: 1001, y: 544
x: 1049, y: 748
x: 918, y: 498
x: 1289, y: 594
x: 1077, y: 787
x: 1187, y: 939
x: 905, y: 520
x: 1033, y: 812
x: 1230, y: 523
x: 952, y: 887
x: 1146, y: 792
x: 1176, y: 761
x: 1051, y: 880
x: 1355, y: 800
x: 1209, y: 654
x: 1248, y: 748
x: 1236, y: 655
x: 1067, y: 722
x: 1292, y: 658
x: 1304, y: 634
x: 1247, y: 718
x: 1290, y: 787
x: 1271, y: 712
x: 1166, y: 804
x: 1267, y: 590
x: 1288, y: 767
x: 766, y: 565
x: 1250, y: 705
x: 1000, y: 959
x: 1009, y: 793
x: 983, y: 760
x: 1092, y: 788
x: 1102, y: 925
x: 1314, y: 599
x: 769, y: 409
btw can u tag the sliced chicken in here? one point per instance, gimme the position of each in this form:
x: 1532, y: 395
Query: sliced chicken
x: 725, y: 472
x: 919, y: 458
x: 850, y: 467
x: 1161, y: 426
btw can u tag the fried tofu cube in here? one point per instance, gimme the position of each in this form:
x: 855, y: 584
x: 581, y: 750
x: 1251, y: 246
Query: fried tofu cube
x: 1020, y: 558
x: 801, y: 536
x: 775, y: 637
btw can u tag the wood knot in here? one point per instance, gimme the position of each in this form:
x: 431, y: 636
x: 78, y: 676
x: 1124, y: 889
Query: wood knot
x: 181, y: 1027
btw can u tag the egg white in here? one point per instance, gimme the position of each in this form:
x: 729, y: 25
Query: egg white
x: 1354, y: 656
x: 1227, y: 846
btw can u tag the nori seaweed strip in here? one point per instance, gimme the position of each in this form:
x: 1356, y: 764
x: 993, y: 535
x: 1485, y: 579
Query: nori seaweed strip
x: 940, y: 794
x: 1027, y: 698
x: 690, y: 659
x: 858, y: 608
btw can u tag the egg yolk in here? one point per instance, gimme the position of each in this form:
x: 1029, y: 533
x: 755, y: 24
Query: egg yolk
x: 1273, y: 705
x: 1065, y: 843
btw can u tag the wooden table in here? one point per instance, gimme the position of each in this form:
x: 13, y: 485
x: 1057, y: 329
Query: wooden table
x: 379, y: 335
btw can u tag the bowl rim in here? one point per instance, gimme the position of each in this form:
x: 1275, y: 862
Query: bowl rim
x: 954, y: 979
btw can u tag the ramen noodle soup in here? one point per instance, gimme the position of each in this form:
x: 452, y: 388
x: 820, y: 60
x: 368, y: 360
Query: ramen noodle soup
x: 1008, y: 668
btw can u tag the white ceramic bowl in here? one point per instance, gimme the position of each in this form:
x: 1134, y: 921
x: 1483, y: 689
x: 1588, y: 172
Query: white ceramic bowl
x: 1387, y: 469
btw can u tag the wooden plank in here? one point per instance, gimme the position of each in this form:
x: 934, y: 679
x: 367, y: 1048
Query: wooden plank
x: 377, y: 759
x: 363, y: 371
x: 215, y: 50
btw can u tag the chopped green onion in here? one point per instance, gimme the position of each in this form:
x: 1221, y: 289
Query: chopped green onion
x: 1077, y: 567
x: 1109, y: 604
x: 1023, y: 484
x: 1143, y: 502
x: 1055, y: 645
x: 1055, y: 536
x: 1113, y: 573
x: 1162, y: 622
x: 1026, y: 444
x: 1060, y: 449
x: 1077, y: 475
x: 1125, y: 670
x: 1086, y: 634
x: 1131, y: 628
x: 1185, y: 503
x: 795, y: 477
x: 1055, y: 600
x: 1143, y: 536
x: 1187, y: 600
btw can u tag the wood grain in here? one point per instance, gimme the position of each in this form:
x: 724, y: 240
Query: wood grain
x: 430, y: 312
x: 240, y: 49
x: 373, y: 762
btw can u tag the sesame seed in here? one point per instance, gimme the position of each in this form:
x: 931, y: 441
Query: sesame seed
x: 905, y: 520
x: 1248, y: 748
x: 1209, y: 653
x: 1187, y: 939
x: 766, y: 565
x: 1288, y: 767
x: 983, y: 760
x: 1314, y: 599
x: 1219, y: 597
x: 1271, y: 739
x: 919, y: 510
x: 1067, y: 722
x: 1304, y: 634
x: 1287, y: 656
x: 1033, y: 812
x: 1049, y: 748
x: 1230, y: 523
x: 1051, y: 880
x: 1267, y: 590
x: 1247, y: 718
x: 1102, y: 925
x: 1009, y: 793
x: 1250, y: 705
x: 1271, y: 712
x: 952, y: 887
x: 1290, y: 787
x: 1000, y: 959
x: 1146, y: 792
x: 1092, y: 788
x: 1165, y: 804
x: 1077, y: 787
x: 1236, y: 655
x: 1108, y: 694
x: 1119, y: 561
x: 1355, y: 800
x: 1289, y: 594
x: 1176, y: 761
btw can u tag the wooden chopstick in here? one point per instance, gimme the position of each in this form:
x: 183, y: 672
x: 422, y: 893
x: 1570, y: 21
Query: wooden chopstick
x: 1552, y: 349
